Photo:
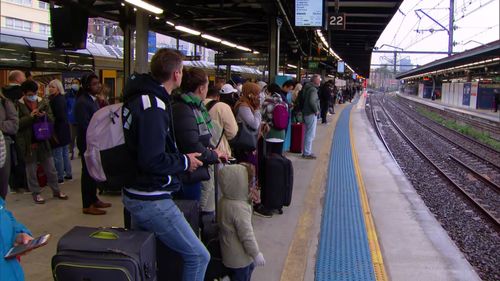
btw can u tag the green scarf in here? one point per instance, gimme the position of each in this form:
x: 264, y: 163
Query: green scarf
x: 203, y: 119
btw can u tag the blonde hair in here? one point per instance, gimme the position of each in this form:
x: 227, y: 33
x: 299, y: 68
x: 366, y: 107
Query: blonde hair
x: 296, y: 91
x: 57, y: 83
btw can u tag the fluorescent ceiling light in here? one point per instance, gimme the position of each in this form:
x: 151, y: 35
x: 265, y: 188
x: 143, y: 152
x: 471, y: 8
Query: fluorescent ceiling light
x: 211, y: 38
x: 228, y: 44
x: 256, y: 52
x: 243, y: 48
x: 170, y: 23
x: 145, y: 6
x: 291, y: 65
x: 187, y: 30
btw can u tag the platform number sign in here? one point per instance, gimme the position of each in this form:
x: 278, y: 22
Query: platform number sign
x: 336, y: 21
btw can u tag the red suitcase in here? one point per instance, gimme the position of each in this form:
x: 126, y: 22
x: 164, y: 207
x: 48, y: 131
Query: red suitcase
x: 298, y: 131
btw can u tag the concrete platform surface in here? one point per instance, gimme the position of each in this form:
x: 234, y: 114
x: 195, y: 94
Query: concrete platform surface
x: 273, y: 234
x: 414, y: 246
x: 413, y: 243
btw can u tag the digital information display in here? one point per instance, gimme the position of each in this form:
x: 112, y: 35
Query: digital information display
x: 340, y: 67
x: 309, y: 13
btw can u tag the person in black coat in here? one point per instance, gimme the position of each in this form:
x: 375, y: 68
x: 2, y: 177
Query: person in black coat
x: 86, y: 106
x: 62, y: 133
x: 193, y: 129
x: 325, y: 94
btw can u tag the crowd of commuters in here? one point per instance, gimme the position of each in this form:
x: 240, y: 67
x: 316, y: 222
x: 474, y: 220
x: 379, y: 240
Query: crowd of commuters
x: 195, y: 123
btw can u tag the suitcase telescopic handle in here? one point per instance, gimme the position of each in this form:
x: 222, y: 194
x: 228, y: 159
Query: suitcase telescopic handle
x: 106, y: 235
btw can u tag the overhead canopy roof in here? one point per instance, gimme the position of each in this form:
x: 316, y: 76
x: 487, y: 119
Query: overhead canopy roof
x: 246, y: 22
x: 489, y: 53
x: 365, y: 22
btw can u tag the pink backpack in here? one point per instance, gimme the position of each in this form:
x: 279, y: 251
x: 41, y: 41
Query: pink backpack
x: 107, y: 157
x: 280, y: 116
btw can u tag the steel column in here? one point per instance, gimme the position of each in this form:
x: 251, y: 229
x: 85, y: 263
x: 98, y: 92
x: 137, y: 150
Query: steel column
x: 274, y: 47
x: 141, y: 42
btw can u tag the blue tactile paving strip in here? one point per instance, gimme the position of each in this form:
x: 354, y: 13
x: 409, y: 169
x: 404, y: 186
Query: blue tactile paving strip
x: 344, y: 252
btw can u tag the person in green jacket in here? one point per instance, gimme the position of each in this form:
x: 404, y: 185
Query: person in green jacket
x: 31, y: 109
x: 239, y: 248
x: 310, y: 112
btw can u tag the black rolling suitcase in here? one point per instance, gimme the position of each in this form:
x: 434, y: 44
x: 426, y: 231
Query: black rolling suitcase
x: 170, y: 263
x: 277, y: 185
x: 105, y: 254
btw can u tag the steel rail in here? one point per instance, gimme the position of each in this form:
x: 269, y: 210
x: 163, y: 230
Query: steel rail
x: 493, y: 185
x: 467, y: 195
x: 491, y: 150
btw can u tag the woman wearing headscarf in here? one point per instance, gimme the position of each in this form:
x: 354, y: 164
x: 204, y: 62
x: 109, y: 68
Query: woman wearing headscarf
x: 193, y: 130
x: 62, y: 132
x: 247, y: 111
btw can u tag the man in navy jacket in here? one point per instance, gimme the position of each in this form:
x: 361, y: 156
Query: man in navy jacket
x: 148, y: 130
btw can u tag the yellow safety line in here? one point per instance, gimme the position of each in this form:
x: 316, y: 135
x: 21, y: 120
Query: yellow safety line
x: 377, y: 260
x: 297, y: 258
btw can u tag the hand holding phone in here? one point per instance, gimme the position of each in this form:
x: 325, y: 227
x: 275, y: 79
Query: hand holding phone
x: 20, y: 249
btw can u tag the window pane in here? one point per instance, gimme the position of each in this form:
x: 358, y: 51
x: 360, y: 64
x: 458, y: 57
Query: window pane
x: 18, y: 24
x: 9, y: 22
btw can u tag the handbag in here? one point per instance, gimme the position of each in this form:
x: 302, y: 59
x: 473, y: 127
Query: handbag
x: 43, y: 129
x: 245, y: 139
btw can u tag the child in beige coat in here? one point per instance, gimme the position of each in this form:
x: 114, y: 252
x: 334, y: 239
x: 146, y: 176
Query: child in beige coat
x: 240, y: 251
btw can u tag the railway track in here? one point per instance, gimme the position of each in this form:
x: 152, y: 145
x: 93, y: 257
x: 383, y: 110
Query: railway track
x: 474, y: 146
x: 483, y: 125
x: 474, y: 185
x: 481, y: 158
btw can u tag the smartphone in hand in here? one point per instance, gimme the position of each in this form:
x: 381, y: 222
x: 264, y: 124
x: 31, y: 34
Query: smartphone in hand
x: 21, y: 249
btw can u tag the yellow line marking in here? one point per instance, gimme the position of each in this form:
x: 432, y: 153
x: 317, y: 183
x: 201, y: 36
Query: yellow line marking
x: 298, y: 252
x: 377, y: 259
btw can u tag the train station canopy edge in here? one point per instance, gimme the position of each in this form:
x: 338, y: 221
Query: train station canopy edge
x: 490, y: 51
x: 247, y: 22
x: 365, y: 22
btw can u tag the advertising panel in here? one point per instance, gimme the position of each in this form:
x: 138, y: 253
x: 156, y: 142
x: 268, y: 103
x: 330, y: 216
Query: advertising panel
x: 466, y: 94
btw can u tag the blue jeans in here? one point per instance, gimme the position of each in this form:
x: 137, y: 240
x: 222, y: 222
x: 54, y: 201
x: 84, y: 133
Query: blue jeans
x: 242, y: 274
x: 62, y: 162
x: 310, y: 120
x: 169, y: 225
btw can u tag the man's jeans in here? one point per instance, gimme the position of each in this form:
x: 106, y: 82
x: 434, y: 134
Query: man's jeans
x: 310, y: 120
x: 62, y: 162
x: 168, y: 223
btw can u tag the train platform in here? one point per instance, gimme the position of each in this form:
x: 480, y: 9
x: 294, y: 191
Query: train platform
x: 345, y: 203
x: 483, y: 114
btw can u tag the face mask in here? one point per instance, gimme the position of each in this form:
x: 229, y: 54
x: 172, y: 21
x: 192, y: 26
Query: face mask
x: 239, y: 88
x: 75, y: 87
x: 32, y: 98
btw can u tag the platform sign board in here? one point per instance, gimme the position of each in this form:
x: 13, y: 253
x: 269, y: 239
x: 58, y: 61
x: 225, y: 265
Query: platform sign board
x: 336, y: 21
x: 312, y: 65
x: 247, y: 59
x: 309, y: 13
x: 466, y: 94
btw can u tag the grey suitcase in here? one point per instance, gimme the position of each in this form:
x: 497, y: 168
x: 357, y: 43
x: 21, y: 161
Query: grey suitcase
x: 105, y: 254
